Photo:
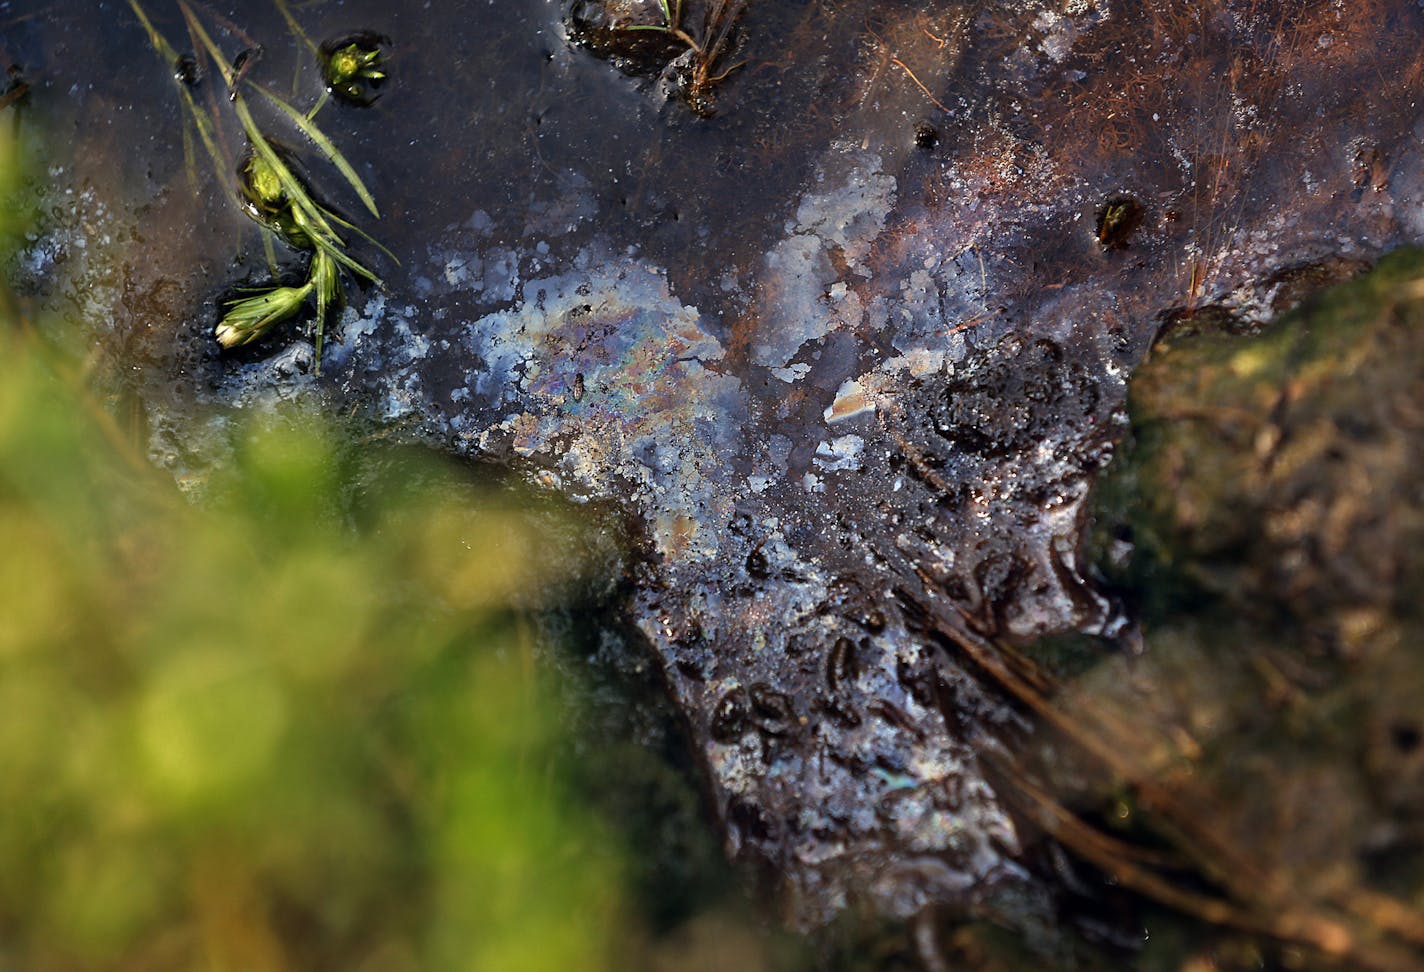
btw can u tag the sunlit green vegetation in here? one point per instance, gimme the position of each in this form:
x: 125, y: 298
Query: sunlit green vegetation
x: 251, y: 734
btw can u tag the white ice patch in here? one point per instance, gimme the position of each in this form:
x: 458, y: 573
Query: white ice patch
x: 840, y: 454
x: 792, y: 374
x: 804, y: 297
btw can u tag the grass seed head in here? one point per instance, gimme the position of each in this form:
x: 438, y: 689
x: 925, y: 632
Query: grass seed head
x: 248, y: 319
x: 353, y: 66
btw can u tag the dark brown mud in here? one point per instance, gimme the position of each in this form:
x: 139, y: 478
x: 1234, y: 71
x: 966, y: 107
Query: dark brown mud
x: 849, y: 343
x: 1263, y: 519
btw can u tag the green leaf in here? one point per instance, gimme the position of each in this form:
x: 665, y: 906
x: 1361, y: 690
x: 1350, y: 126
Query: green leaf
x: 309, y: 129
x: 296, y: 191
x: 335, y: 218
x: 327, y: 282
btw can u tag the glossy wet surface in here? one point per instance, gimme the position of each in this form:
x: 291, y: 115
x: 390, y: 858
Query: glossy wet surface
x: 848, y: 352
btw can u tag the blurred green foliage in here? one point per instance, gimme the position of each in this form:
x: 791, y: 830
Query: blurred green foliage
x: 271, y: 730
x: 249, y: 735
x: 243, y: 736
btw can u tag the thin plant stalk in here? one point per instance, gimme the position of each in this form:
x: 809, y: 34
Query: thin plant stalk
x: 201, y: 120
x: 284, y: 203
x: 328, y: 149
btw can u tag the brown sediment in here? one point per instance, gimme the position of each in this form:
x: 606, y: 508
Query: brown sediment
x: 646, y: 37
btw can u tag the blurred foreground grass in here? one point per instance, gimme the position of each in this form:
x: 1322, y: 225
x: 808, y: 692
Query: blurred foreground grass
x: 247, y: 735
x: 272, y: 730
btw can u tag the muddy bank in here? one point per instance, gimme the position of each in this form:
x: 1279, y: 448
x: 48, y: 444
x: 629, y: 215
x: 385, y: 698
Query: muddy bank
x: 1261, y: 520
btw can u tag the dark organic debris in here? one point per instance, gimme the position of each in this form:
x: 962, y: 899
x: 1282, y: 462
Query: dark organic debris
x: 1264, y: 520
x: 688, y: 43
x: 186, y: 70
x: 1118, y: 219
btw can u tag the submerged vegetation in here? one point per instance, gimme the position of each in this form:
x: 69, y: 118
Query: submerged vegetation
x: 353, y: 66
x: 295, y: 726
x: 1158, y: 792
x: 273, y: 193
x: 700, y: 70
x: 692, y: 59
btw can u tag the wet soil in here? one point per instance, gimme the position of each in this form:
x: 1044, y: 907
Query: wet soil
x: 848, y: 342
x: 1262, y: 520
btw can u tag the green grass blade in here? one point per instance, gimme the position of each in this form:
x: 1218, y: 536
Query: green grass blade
x: 337, y: 254
x: 295, y: 27
x: 206, y: 132
x: 325, y: 277
x: 331, y: 152
x: 190, y: 163
x: 271, y: 254
x: 320, y: 104
x: 201, y: 121
x: 318, y: 235
x: 159, y: 42
x: 301, y: 199
x: 363, y: 234
x: 201, y: 32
